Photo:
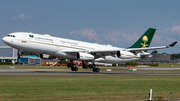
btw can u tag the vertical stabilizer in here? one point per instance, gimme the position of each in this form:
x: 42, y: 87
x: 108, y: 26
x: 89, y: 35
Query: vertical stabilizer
x: 145, y: 40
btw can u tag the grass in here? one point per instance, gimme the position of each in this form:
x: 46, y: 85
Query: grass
x: 75, y: 88
x: 169, y: 65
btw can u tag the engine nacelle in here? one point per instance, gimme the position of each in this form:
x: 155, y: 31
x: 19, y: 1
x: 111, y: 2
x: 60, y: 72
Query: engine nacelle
x: 45, y: 56
x: 127, y: 55
x: 84, y: 56
x: 77, y: 55
x: 118, y: 54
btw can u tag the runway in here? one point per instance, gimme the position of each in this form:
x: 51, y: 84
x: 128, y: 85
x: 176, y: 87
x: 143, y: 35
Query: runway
x: 81, y: 72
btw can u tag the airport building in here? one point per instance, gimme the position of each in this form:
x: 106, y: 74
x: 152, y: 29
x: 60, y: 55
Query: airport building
x: 8, y: 54
x: 159, y: 58
x: 29, y: 59
x: 35, y: 60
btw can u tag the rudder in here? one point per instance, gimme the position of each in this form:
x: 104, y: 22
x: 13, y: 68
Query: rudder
x: 145, y: 40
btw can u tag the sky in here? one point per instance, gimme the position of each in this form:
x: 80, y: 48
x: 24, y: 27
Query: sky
x: 116, y: 22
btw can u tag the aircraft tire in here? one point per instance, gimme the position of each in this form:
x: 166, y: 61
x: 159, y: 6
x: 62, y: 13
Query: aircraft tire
x: 97, y: 70
x: 68, y: 65
x: 90, y: 66
x: 72, y: 65
x: 75, y: 69
x: 85, y: 66
x: 93, y: 65
x: 72, y: 68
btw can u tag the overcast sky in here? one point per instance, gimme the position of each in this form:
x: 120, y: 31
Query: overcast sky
x: 116, y: 22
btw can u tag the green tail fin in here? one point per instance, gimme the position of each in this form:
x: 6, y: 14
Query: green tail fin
x: 145, y: 40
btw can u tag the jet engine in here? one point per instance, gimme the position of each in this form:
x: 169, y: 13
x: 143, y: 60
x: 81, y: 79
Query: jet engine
x: 84, y: 56
x: 118, y: 54
x: 77, y: 55
x: 126, y: 55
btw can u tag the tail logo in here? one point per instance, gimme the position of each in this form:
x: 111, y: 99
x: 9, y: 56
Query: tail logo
x: 145, y: 39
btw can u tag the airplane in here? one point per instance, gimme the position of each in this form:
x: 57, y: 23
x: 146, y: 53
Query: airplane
x: 81, y: 51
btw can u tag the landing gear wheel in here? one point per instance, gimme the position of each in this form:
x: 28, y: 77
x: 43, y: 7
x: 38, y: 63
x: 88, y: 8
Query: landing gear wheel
x: 96, y: 70
x: 93, y: 65
x: 75, y: 69
x: 68, y: 65
x: 72, y: 69
x: 93, y: 69
x: 90, y: 66
x: 72, y: 65
x: 85, y: 66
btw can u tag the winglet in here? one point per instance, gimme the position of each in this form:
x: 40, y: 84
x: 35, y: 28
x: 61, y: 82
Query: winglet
x: 173, y: 44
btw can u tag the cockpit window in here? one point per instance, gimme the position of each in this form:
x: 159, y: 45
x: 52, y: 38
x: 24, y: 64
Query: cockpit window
x: 31, y: 36
x: 11, y: 36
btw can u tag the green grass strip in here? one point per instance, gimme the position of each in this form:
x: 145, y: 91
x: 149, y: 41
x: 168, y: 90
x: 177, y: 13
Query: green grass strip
x: 102, y: 88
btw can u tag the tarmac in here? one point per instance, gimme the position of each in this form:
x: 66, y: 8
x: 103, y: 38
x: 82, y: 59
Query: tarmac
x: 87, y: 72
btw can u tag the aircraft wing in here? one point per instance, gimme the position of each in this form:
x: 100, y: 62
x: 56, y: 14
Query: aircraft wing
x: 96, y: 53
x: 73, y: 51
x: 151, y: 48
x: 101, y: 53
x: 115, y: 52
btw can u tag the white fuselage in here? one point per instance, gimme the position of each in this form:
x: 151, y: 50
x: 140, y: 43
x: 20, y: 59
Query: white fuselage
x: 46, y: 44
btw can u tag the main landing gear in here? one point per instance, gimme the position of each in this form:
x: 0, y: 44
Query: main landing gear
x: 85, y: 65
x: 74, y: 68
x: 91, y: 66
x: 71, y: 64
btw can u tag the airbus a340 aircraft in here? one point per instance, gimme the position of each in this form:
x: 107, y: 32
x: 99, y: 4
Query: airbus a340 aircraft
x: 81, y: 51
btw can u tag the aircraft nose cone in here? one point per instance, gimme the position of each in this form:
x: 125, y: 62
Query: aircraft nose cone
x: 4, y: 39
x: 7, y: 41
